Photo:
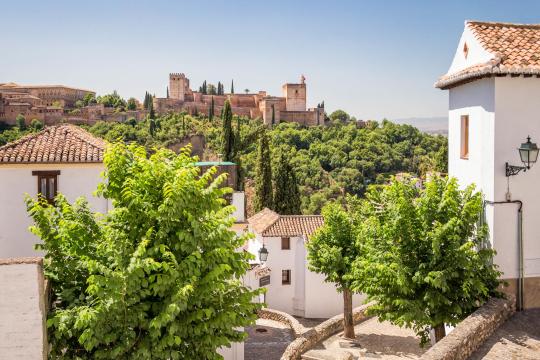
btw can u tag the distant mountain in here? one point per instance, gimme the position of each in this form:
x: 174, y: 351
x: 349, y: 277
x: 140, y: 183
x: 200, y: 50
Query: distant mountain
x: 432, y: 125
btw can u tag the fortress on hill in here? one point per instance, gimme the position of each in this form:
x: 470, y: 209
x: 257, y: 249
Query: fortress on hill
x: 290, y: 107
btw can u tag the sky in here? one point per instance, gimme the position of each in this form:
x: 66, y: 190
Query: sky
x: 374, y: 59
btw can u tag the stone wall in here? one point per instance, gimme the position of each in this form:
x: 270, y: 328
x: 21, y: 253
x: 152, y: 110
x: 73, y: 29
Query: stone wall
x: 22, y: 309
x: 320, y: 332
x: 473, y: 331
x: 284, y: 318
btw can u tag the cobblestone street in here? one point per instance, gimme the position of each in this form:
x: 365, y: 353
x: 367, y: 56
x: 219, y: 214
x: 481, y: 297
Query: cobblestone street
x: 267, y: 340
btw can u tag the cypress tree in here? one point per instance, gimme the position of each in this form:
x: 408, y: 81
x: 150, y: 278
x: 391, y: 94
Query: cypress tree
x: 211, y: 110
x: 273, y: 114
x: 167, y: 92
x: 287, y: 192
x: 232, y: 86
x: 204, y: 87
x: 228, y: 135
x: 263, y: 175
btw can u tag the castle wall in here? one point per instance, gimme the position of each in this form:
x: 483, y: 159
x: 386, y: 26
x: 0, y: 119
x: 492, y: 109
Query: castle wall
x: 295, y: 95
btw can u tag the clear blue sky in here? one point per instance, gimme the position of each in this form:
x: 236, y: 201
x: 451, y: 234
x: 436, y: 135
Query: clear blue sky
x: 373, y: 59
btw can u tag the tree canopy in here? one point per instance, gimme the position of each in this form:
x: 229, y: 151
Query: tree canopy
x: 158, y: 277
x: 425, y: 261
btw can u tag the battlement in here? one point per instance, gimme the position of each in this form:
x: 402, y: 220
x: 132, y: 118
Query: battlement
x: 177, y: 75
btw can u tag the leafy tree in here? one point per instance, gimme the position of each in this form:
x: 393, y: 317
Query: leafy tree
x: 232, y: 86
x: 112, y: 100
x: 211, y: 90
x: 20, y: 121
x: 263, y: 175
x: 89, y: 99
x: 158, y: 277
x: 432, y: 265
x: 332, y: 251
x: 132, y: 104
x: 246, y: 91
x: 79, y: 104
x: 228, y: 134
x: 287, y: 192
x: 36, y: 124
x: 211, y: 110
x: 340, y: 115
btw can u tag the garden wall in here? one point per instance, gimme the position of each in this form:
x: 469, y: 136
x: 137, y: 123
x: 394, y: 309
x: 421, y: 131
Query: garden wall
x: 469, y: 334
x: 22, y: 309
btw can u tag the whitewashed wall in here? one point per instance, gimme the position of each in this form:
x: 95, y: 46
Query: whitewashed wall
x: 17, y: 180
x: 502, y: 113
x: 308, y: 295
x: 235, y: 352
x: 22, y: 310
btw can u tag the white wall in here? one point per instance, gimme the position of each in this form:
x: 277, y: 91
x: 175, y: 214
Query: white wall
x: 17, y: 180
x: 235, y: 352
x: 502, y: 112
x: 22, y: 311
x: 239, y: 202
x: 308, y: 295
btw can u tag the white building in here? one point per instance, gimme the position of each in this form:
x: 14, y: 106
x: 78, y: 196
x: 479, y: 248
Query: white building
x: 494, y: 104
x: 292, y: 287
x: 61, y: 158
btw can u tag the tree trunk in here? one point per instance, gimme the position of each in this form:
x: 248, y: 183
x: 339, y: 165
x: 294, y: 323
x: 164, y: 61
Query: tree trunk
x: 348, y: 325
x: 440, y: 332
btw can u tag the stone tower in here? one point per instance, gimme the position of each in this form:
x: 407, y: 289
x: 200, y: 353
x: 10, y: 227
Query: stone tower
x: 178, y: 86
x: 295, y: 95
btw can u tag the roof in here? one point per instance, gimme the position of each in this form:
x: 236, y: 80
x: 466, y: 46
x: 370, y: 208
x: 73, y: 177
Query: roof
x: 64, y: 143
x: 270, y: 224
x: 47, y: 86
x: 515, y: 49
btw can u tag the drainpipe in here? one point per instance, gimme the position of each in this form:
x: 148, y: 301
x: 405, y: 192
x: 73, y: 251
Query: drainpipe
x: 520, y: 246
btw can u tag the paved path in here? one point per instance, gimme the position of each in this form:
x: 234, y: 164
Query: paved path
x: 518, y: 338
x: 267, y: 340
x: 374, y: 340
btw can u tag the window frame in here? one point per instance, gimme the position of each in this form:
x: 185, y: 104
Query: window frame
x: 286, y: 277
x: 288, y: 242
x: 47, y: 175
x: 464, y: 145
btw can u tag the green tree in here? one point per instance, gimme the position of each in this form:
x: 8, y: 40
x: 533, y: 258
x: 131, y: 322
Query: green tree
x: 211, y: 110
x: 287, y: 192
x: 264, y: 195
x: 232, y: 86
x: 167, y: 92
x: 273, y: 114
x: 89, y: 99
x: 425, y: 260
x: 332, y: 251
x: 158, y: 277
x: 36, y: 124
x: 20, y: 121
x: 340, y: 115
x: 79, y: 104
x: 228, y: 134
x: 132, y: 104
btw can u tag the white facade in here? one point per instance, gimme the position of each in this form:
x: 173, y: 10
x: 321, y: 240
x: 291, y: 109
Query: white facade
x: 307, y: 295
x: 502, y: 112
x: 16, y: 180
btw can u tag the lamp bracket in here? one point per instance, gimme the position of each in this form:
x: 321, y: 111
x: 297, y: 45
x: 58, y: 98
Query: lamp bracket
x: 512, y: 170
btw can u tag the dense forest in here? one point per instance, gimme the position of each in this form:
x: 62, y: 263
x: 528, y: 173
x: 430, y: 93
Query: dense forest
x: 345, y: 156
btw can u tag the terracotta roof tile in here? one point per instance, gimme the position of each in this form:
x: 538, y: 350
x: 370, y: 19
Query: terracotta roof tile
x: 270, y: 224
x: 63, y: 143
x: 515, y: 49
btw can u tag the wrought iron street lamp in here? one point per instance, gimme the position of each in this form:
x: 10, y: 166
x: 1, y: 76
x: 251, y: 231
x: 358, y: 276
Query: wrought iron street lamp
x: 263, y: 254
x: 528, y: 152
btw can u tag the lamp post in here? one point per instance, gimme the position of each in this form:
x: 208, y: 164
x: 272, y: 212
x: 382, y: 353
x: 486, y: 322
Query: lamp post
x: 528, y: 152
x: 263, y: 254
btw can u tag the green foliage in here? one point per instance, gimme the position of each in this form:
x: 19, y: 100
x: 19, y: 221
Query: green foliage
x: 131, y: 104
x: 339, y: 115
x: 425, y: 259
x: 158, y: 277
x: 263, y: 176
x: 211, y: 109
x: 89, y: 99
x: 36, y: 125
x: 79, y: 104
x: 232, y: 86
x: 228, y: 134
x: 333, y: 248
x: 287, y: 193
x: 113, y: 101
x: 20, y: 121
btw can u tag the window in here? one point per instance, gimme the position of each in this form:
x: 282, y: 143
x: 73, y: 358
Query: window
x: 465, y: 50
x: 285, y: 277
x: 285, y: 243
x: 47, y: 184
x: 465, y: 137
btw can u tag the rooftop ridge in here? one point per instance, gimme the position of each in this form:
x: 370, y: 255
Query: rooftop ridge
x: 502, y: 24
